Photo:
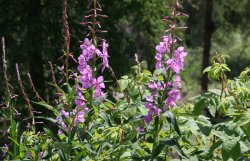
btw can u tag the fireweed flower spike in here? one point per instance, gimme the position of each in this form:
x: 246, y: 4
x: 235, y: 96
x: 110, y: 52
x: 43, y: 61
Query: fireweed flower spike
x: 170, y: 58
x: 86, y: 79
x: 86, y: 63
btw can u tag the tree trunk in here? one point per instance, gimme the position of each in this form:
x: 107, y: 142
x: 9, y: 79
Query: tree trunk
x: 208, y: 30
x: 34, y: 43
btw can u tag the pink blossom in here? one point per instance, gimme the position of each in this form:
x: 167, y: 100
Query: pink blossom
x: 98, y: 85
x: 177, y: 81
x: 173, y: 96
x: 158, y: 58
x: 175, y: 66
x: 104, y: 55
x: 87, y: 77
x: 80, y: 101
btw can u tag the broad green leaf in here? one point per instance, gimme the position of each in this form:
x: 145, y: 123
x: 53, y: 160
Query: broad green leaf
x: 123, y: 83
x: 108, y: 104
x: 208, y: 69
x: 172, y: 121
x: 168, y: 142
x: 227, y: 147
x: 214, y: 147
x: 147, y: 72
x: 236, y: 151
x: 198, y: 107
x: 204, y: 125
x: 143, y: 110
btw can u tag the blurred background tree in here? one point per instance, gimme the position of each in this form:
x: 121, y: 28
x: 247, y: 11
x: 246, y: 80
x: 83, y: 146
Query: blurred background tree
x: 33, y: 32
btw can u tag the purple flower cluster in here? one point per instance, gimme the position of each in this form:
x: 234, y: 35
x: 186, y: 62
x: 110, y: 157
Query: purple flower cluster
x: 77, y: 115
x: 152, y: 109
x: 170, y: 62
x: 86, y: 81
x: 89, y: 51
x: 163, y: 47
x: 176, y: 64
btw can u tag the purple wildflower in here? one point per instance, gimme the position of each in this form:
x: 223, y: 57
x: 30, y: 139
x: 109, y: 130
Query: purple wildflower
x: 79, y: 114
x: 179, y: 54
x: 80, y: 101
x: 149, y: 99
x: 64, y: 113
x: 177, y: 81
x: 98, y: 85
x: 5, y: 149
x: 60, y: 132
x: 152, y: 85
x: 170, y: 84
x: 156, y: 86
x: 175, y: 66
x: 87, y: 77
x: 158, y: 58
x: 153, y: 110
x: 173, y: 96
x: 148, y: 119
x: 140, y: 129
x: 177, y: 62
x: 104, y: 55
x: 89, y: 50
x: 163, y: 47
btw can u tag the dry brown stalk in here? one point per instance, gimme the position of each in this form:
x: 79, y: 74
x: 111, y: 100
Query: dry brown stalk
x: 66, y: 35
x: 25, y: 96
x: 6, y: 82
x: 52, y: 72
x: 34, y: 89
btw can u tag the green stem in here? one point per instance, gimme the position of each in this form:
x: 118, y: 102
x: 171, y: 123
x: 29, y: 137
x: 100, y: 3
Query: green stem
x: 13, y: 128
x: 155, y: 137
x: 121, y: 132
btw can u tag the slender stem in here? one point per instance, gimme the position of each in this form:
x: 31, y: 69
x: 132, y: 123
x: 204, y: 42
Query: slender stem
x: 122, y: 132
x: 222, y: 87
x: 94, y: 24
x: 7, y: 90
x: 26, y: 97
x: 155, y: 137
x: 66, y: 37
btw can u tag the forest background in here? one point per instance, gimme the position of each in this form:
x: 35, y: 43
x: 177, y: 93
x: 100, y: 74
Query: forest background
x: 34, y: 36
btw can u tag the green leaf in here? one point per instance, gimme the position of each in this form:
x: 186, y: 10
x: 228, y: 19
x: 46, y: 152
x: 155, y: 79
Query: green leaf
x: 225, y: 67
x: 227, y: 148
x: 139, y: 77
x: 214, y: 147
x: 108, y: 104
x: 61, y: 145
x: 106, y: 118
x: 172, y: 121
x: 204, y: 125
x: 198, y: 108
x: 168, y: 142
x: 215, y: 91
x: 207, y: 69
x: 123, y: 83
x: 46, y: 118
x: 147, y: 72
x: 236, y: 151
x: 143, y: 110
x: 51, y: 108
x: 246, y: 130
